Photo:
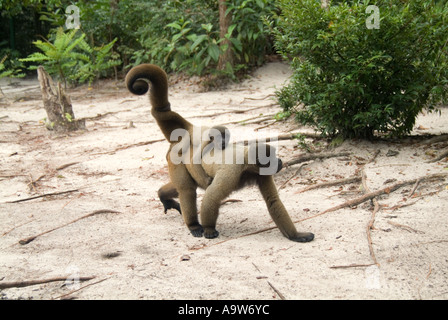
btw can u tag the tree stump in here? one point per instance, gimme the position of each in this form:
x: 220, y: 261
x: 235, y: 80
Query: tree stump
x: 60, y: 116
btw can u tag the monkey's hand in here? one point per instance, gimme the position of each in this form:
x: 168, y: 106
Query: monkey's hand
x: 196, y: 230
x: 210, y: 233
x: 302, y: 237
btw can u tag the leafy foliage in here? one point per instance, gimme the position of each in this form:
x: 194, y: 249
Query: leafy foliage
x: 190, y: 39
x: 178, y: 35
x: 69, y: 54
x: 13, y: 72
x: 354, y: 81
x: 60, y: 56
x: 98, y: 61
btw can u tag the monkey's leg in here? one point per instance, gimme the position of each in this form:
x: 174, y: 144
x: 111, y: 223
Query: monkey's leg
x: 166, y: 195
x: 186, y: 187
x: 223, y: 184
x: 278, y: 211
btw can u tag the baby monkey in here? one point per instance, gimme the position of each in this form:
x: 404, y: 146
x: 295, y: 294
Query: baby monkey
x: 218, y: 139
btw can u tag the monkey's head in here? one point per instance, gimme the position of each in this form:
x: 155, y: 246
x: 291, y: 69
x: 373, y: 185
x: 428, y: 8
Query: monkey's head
x: 220, y: 136
x: 265, y: 159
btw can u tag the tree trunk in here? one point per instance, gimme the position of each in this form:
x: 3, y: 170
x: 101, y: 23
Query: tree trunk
x: 60, y: 116
x: 224, y: 23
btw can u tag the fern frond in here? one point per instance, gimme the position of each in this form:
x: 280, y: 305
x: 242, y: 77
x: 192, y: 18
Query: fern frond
x: 36, y: 56
x: 74, y: 44
x: 61, y: 39
x: 84, y: 46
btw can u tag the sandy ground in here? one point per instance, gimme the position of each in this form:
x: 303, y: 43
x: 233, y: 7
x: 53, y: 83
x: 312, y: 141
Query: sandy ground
x: 141, y: 253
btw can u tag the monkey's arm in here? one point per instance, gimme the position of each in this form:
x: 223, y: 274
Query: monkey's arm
x: 278, y: 212
x: 196, y: 169
x: 224, y: 182
x: 186, y: 187
x: 201, y: 177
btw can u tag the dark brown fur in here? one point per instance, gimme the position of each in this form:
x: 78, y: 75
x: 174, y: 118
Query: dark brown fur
x: 185, y: 178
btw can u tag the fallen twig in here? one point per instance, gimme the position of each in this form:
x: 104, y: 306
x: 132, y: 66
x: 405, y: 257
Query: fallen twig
x: 315, y: 156
x: 295, y: 174
x: 269, y: 95
x: 436, y: 139
x: 398, y: 206
x: 276, y: 291
x: 346, y: 204
x: 404, y: 227
x: 29, y: 239
x: 353, y: 266
x: 256, y: 119
x: 286, y: 136
x: 331, y: 183
x: 99, y: 115
x: 234, y: 111
x: 87, y: 285
x: 18, y: 226
x: 139, y: 144
x: 266, y: 125
x: 414, y: 188
x: 375, y: 155
x: 372, y: 218
x: 27, y: 283
x: 443, y: 155
x: 43, y: 195
x: 371, y: 195
x: 66, y: 165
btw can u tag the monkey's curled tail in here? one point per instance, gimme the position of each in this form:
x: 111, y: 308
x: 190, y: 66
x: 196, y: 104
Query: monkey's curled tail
x: 137, y: 82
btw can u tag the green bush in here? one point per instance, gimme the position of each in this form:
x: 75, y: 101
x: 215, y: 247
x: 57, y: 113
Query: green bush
x: 70, y: 57
x: 13, y: 71
x: 178, y: 35
x: 60, y: 56
x: 185, y: 35
x: 355, y: 81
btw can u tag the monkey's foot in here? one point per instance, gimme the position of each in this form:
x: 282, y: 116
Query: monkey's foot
x: 196, y: 230
x: 303, y: 237
x: 210, y: 233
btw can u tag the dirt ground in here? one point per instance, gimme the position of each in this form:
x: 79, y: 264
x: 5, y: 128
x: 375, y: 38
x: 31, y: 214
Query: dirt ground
x: 112, y: 172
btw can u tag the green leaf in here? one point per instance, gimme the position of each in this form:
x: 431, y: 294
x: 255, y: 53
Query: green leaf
x: 207, y: 26
x: 214, y: 52
x: 237, y: 44
x: 174, y: 25
x: 198, y: 41
x: 230, y: 30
